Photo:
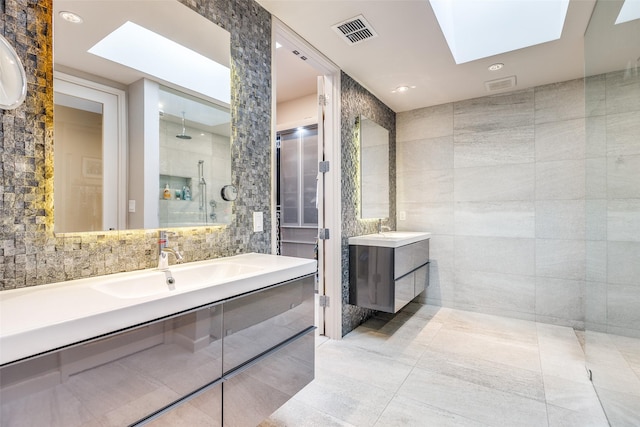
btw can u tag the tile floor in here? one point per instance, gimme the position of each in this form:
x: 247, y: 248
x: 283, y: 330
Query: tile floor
x: 615, y: 363
x: 433, y: 366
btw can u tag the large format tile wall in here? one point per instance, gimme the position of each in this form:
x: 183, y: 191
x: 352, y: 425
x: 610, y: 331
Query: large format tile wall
x: 500, y: 182
x: 30, y: 252
x: 533, y: 203
x: 613, y: 203
x: 357, y: 101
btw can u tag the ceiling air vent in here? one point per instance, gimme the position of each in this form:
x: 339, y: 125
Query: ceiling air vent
x: 355, y: 30
x: 500, y: 84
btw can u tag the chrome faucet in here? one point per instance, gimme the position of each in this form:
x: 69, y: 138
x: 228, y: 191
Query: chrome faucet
x: 164, y: 251
x: 381, y: 227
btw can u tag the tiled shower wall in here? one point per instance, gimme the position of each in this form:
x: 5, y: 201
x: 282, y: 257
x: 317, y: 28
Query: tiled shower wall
x: 613, y: 203
x: 500, y: 182
x: 30, y: 252
x: 356, y: 101
x: 518, y: 192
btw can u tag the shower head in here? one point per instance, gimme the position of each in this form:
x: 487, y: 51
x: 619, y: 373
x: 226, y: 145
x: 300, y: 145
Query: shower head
x: 183, y: 135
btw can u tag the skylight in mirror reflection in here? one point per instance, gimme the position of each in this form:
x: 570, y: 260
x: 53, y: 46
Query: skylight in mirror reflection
x: 476, y: 29
x: 165, y: 59
x: 630, y: 11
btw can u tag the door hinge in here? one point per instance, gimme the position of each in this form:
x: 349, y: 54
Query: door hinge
x: 323, y: 300
x: 323, y: 167
x: 322, y: 100
x: 323, y: 234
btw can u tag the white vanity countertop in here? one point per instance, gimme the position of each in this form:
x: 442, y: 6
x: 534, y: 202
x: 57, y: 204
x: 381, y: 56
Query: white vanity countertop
x: 42, y: 318
x: 390, y: 239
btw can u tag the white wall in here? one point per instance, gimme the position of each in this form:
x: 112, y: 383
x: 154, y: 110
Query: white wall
x: 297, y: 112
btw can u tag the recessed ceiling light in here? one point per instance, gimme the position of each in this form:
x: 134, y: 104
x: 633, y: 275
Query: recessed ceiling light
x: 402, y: 89
x: 495, y: 67
x: 74, y: 18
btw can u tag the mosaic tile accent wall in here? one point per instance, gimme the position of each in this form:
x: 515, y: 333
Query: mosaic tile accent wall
x: 357, y: 101
x: 30, y: 253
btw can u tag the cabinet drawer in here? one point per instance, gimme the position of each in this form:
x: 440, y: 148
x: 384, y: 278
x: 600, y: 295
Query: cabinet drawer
x: 121, y: 378
x: 268, y: 383
x: 404, y: 291
x: 257, y: 322
x: 409, y: 257
x: 204, y: 409
x: 421, y: 279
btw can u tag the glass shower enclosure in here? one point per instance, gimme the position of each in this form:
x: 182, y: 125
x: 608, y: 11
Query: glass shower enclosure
x: 612, y: 208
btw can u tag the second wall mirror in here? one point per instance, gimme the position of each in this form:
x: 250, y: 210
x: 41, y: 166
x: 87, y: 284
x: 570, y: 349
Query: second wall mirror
x: 374, y: 169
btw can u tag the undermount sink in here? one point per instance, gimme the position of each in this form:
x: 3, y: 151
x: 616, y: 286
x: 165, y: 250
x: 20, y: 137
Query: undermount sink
x: 390, y: 239
x: 176, y: 278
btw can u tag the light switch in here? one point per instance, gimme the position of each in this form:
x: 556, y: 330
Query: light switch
x: 132, y: 205
x: 258, y: 222
x: 402, y: 216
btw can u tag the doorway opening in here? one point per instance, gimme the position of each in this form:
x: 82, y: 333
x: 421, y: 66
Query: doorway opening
x: 306, y: 197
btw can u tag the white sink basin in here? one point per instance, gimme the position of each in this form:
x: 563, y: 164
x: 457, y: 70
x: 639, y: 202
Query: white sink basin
x: 198, y: 274
x: 184, y: 277
x: 389, y: 239
x: 139, y: 286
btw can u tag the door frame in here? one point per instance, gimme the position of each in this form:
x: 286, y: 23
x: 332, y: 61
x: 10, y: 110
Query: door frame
x: 329, y: 265
x: 114, y: 142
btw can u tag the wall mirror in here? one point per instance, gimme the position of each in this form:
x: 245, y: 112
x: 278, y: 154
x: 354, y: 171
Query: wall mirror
x: 374, y: 169
x: 141, y: 116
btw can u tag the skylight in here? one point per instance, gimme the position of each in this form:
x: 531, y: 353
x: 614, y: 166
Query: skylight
x: 139, y: 48
x: 629, y: 12
x: 477, y: 29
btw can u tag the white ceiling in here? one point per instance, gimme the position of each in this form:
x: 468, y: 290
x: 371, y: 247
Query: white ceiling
x: 411, y: 50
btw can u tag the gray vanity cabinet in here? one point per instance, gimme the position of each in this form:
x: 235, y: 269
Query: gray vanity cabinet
x: 118, y: 379
x: 268, y: 350
x: 258, y: 322
x: 256, y: 349
x: 386, y: 278
x: 256, y: 390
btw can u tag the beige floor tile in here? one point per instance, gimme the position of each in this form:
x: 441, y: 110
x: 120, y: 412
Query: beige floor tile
x: 353, y: 401
x: 516, y: 330
x: 473, y: 369
x: 483, y: 404
x: 298, y: 414
x: 490, y: 348
x: 405, y: 412
x: 561, y: 417
x: 399, y: 349
x: 622, y: 409
x: 571, y: 395
x: 622, y: 379
x: 361, y: 365
x: 502, y: 377
x: 601, y: 350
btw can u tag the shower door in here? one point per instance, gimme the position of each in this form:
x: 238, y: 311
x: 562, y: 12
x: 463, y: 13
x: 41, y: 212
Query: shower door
x: 612, y: 164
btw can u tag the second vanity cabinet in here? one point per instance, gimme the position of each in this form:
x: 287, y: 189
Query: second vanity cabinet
x: 385, y: 275
x: 227, y: 363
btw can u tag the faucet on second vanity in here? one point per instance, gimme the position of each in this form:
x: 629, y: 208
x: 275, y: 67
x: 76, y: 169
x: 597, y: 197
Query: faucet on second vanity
x: 164, y: 251
x: 381, y: 227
